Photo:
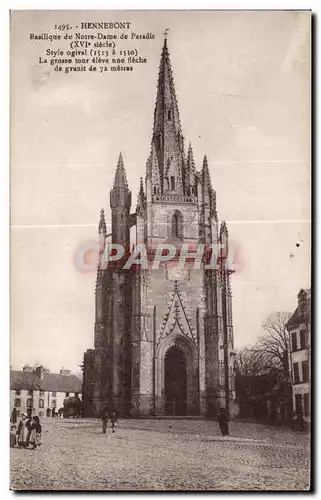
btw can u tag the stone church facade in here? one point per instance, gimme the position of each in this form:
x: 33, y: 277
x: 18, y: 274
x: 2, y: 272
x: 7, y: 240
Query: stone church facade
x: 163, y: 333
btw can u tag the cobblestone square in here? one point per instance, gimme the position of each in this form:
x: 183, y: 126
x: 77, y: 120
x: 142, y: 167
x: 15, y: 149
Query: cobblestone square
x: 162, y: 455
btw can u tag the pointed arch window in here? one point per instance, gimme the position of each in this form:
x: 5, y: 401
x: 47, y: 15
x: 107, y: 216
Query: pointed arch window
x: 177, y: 225
x: 169, y: 115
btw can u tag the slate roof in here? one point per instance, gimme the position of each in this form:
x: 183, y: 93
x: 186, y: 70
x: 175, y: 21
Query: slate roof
x: 53, y: 382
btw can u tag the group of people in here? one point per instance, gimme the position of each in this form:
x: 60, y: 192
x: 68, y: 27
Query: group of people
x: 223, y: 418
x: 54, y: 413
x: 28, y: 433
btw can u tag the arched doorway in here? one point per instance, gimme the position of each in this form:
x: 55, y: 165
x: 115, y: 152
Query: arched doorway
x: 175, y: 381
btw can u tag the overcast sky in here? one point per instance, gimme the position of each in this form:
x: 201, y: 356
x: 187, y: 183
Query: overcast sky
x: 242, y: 81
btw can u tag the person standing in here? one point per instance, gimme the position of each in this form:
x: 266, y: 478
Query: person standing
x: 13, y: 436
x: 23, y: 431
x: 113, y: 419
x: 13, y: 419
x: 223, y: 419
x: 35, y: 432
x: 104, y: 418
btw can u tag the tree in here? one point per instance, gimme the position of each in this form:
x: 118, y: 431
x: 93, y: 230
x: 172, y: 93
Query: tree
x: 263, y: 371
x: 272, y: 348
x: 248, y: 363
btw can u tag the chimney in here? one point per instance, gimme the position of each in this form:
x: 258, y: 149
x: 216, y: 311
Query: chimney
x: 302, y: 303
x: 40, y: 371
x: 28, y: 369
x: 65, y: 372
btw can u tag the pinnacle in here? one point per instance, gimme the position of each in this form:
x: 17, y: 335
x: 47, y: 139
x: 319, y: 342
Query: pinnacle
x: 190, y: 158
x: 141, y: 187
x: 223, y: 228
x: 206, y: 178
x: 120, y: 180
x: 141, y: 199
x: 102, y: 223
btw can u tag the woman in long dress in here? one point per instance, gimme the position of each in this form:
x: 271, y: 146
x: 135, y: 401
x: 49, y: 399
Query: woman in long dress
x: 23, y: 431
x: 35, y: 432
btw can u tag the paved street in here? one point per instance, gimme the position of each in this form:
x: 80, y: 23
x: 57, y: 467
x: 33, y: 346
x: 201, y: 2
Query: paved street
x: 151, y: 455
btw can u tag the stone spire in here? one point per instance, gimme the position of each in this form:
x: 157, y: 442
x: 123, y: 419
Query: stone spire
x: 102, y: 224
x: 120, y: 180
x: 190, y: 159
x: 141, y: 199
x: 206, y: 178
x: 167, y: 136
x: 190, y: 173
x: 120, y: 203
x: 166, y: 96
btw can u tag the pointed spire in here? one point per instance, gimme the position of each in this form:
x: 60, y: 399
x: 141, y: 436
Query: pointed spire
x: 166, y: 96
x: 167, y: 139
x: 190, y: 160
x: 190, y: 157
x: 206, y: 178
x: 141, y: 199
x: 120, y: 180
x: 102, y: 223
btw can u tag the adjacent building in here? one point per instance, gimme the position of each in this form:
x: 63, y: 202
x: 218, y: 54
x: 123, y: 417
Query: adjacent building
x: 35, y: 390
x: 164, y: 341
x: 299, y: 327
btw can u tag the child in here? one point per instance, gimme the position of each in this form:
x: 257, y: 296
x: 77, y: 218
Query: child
x: 13, y: 439
x: 35, y: 433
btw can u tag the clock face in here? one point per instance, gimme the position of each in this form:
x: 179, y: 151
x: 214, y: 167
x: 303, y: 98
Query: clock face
x: 177, y: 273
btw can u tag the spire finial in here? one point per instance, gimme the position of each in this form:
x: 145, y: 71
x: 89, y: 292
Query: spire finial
x: 166, y: 33
x: 120, y: 180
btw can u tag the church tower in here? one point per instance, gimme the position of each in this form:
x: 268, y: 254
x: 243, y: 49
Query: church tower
x: 164, y: 332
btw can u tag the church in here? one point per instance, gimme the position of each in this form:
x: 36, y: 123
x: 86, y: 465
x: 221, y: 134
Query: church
x: 164, y: 342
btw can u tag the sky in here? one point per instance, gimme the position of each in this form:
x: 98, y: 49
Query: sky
x: 242, y: 82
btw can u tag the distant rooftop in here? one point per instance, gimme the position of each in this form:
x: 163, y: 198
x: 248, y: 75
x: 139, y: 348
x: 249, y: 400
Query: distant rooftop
x: 28, y: 379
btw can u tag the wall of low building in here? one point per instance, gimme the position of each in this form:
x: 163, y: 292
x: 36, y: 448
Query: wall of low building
x: 40, y: 401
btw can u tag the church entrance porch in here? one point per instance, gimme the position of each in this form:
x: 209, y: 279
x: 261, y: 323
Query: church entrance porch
x: 175, y: 381
x: 177, y: 377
